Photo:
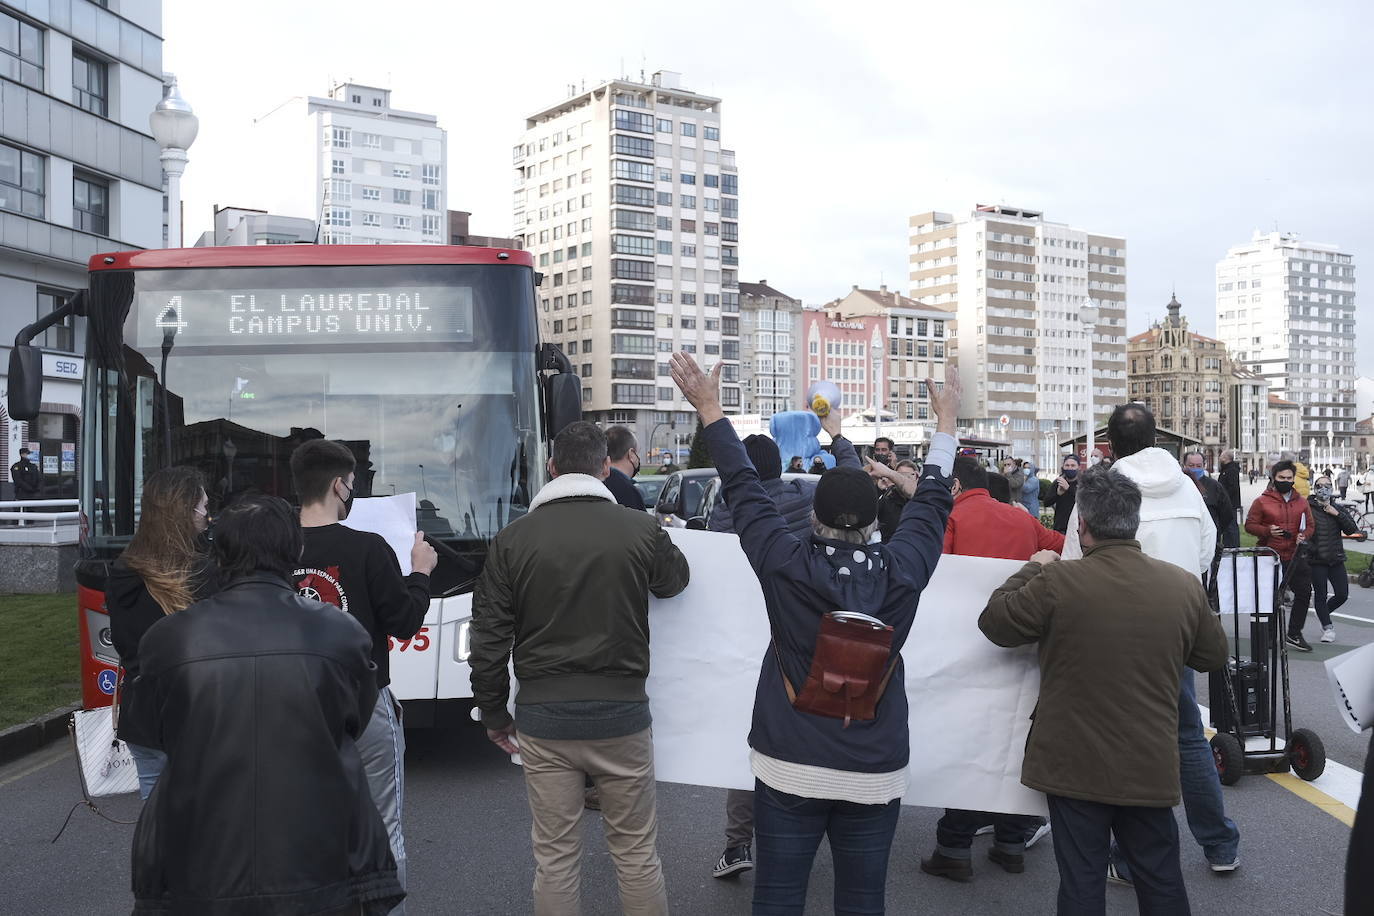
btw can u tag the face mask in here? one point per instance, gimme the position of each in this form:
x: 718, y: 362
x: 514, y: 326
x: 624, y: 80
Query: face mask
x: 347, y: 503
x: 1198, y: 473
x: 1094, y: 461
x: 1070, y: 474
x: 1322, y: 492
x: 637, y: 464
x: 1283, y: 486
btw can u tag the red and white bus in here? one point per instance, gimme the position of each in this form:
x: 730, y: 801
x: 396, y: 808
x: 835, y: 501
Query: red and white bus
x: 424, y: 360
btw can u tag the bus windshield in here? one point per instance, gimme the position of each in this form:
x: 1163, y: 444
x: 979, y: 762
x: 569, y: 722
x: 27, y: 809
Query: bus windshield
x: 427, y: 373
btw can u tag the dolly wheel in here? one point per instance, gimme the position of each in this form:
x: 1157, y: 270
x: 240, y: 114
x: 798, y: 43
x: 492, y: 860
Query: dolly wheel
x: 1306, y: 753
x: 1229, y: 757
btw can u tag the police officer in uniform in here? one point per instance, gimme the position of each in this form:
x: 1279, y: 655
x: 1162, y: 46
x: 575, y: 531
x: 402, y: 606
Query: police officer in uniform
x: 28, y: 480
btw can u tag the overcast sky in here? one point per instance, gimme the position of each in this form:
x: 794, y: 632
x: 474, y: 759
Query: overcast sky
x: 1181, y: 126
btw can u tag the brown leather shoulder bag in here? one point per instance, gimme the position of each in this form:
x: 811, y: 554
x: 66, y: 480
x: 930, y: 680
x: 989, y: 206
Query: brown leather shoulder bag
x: 850, y: 667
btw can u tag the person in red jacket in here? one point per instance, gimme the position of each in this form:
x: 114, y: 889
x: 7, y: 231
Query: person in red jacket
x: 1281, y: 520
x: 980, y: 526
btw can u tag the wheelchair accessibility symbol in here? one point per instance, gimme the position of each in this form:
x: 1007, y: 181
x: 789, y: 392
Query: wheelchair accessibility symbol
x: 106, y: 681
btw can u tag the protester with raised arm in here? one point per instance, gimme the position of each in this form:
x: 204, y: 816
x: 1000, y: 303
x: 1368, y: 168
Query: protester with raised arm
x: 830, y: 764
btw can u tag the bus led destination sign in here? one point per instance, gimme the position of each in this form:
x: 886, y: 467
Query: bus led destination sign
x: 421, y: 314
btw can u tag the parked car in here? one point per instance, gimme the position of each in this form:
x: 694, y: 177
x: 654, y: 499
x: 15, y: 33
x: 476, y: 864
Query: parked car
x: 649, y: 487
x: 711, y: 498
x: 681, y: 496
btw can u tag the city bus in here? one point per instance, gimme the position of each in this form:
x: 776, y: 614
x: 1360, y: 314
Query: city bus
x: 424, y: 360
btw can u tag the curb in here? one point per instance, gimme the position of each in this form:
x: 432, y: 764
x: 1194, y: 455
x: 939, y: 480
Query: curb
x: 27, y: 737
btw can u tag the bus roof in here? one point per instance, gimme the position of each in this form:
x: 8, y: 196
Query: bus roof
x: 306, y: 256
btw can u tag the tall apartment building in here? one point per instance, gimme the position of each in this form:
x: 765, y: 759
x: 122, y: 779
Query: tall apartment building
x: 79, y: 174
x: 1248, y: 432
x: 1286, y: 309
x: 770, y: 323
x: 376, y: 174
x: 1182, y: 376
x: 1019, y: 284
x: 919, y: 336
x: 630, y: 206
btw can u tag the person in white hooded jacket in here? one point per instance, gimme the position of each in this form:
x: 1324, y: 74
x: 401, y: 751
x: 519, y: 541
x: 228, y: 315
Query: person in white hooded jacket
x: 1176, y: 527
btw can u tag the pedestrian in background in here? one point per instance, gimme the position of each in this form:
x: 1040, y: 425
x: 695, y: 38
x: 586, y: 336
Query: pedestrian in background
x: 564, y: 593
x: 1062, y: 493
x: 164, y: 569
x: 357, y: 572
x: 624, y: 454
x: 1343, y: 481
x: 980, y: 526
x: 26, y: 477
x: 794, y: 500
x: 1330, y: 523
x: 1228, y: 475
x: 817, y: 774
x: 893, y: 500
x: 1030, y: 489
x: 1218, y: 505
x: 1367, y: 488
x: 1281, y: 520
x: 260, y: 698
x: 795, y: 466
x: 1114, y: 630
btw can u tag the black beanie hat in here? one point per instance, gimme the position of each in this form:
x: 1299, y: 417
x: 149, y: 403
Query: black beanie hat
x: 846, y: 498
x: 764, y: 455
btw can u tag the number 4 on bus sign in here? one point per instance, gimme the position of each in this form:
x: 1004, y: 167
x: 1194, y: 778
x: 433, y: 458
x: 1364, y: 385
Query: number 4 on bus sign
x: 170, y: 317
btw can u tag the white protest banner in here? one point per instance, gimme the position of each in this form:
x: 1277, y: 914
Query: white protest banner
x: 1352, y: 680
x: 1245, y: 583
x: 393, y: 517
x: 970, y: 701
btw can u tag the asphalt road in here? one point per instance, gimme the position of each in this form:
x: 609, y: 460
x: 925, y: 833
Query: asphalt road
x: 467, y: 829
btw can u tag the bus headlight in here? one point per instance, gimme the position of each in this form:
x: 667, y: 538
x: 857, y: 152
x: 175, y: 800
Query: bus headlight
x: 462, y: 646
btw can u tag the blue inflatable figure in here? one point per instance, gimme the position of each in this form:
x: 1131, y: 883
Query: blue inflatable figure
x: 795, y: 433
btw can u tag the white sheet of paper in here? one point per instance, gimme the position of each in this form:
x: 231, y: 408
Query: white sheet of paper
x: 1236, y: 584
x: 1352, y: 681
x: 393, y: 517
x: 970, y: 700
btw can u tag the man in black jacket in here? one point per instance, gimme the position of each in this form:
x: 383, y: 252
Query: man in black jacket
x: 357, y: 572
x: 27, y: 479
x: 260, y: 698
x: 565, y: 591
x: 1228, y: 475
x: 1063, y: 491
x: 625, y: 463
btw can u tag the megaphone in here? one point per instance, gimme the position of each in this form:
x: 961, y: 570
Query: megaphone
x: 824, y: 396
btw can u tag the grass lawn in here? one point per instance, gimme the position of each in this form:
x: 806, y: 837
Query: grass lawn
x: 39, y: 656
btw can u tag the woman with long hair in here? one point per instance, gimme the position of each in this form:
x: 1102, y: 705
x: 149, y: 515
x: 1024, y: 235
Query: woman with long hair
x: 162, y: 571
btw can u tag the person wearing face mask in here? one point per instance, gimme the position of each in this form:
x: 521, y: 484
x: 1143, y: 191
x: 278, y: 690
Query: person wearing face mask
x: 624, y: 454
x: 1327, y: 558
x: 1218, y: 506
x: 1063, y: 493
x: 163, y: 570
x: 357, y: 572
x: 1281, y: 519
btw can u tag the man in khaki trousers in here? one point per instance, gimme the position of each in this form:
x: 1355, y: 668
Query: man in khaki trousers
x: 565, y: 592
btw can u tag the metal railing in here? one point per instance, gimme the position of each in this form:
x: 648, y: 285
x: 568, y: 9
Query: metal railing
x: 39, y: 521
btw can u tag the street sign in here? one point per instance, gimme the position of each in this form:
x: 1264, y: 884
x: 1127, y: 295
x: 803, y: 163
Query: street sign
x: 1004, y: 420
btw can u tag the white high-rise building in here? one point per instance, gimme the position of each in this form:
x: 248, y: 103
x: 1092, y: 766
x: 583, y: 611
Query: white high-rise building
x: 1286, y: 311
x: 1019, y: 284
x: 630, y: 206
x: 377, y: 172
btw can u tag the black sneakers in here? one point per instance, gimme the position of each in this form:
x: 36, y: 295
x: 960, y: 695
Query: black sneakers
x: 734, y: 860
x: 1297, y: 642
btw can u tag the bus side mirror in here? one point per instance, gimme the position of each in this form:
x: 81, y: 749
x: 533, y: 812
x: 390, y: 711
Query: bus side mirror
x: 565, y: 401
x: 25, y: 382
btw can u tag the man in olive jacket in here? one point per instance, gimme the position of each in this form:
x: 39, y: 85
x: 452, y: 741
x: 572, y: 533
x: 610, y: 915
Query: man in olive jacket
x: 1115, y: 630
x: 565, y: 589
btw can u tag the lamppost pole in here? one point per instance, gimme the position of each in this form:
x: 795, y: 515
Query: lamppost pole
x: 877, y: 352
x: 174, y: 126
x: 1088, y: 315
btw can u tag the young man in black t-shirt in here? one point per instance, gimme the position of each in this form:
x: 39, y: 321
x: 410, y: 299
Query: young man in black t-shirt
x: 357, y: 572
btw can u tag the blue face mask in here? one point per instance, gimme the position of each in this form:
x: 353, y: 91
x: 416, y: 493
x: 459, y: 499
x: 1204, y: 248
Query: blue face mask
x: 1198, y: 473
x: 1070, y: 473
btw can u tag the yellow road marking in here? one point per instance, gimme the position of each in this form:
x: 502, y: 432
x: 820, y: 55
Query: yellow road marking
x: 1312, y: 795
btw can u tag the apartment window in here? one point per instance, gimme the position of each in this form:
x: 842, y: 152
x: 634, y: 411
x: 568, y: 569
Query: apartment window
x: 370, y: 141
x: 688, y: 201
x: 376, y: 103
x: 21, y: 181
x: 729, y: 184
x: 632, y: 270
x: 336, y: 167
x: 633, y: 219
x: 356, y: 99
x: 689, y: 130
x: 689, y: 225
x: 665, y: 199
x: 711, y: 133
x: 665, y: 246
x: 687, y: 178
x: 689, y: 251
x: 91, y: 83
x: 61, y: 336
x: 429, y: 174
x: 711, y: 181
x: 665, y: 222
x: 372, y: 219
x: 665, y: 125
x: 634, y: 146
x: 342, y: 137
x: 635, y: 197
x: 400, y: 171
x: 401, y: 222
x: 587, y: 272
x: 91, y: 204
x: 372, y: 193
x: 430, y: 199
x: 21, y: 51
x: 633, y: 171
x: 400, y: 196
x: 632, y: 244
x: 429, y: 225
x: 586, y: 249
x: 636, y: 121
x: 340, y: 189
x: 338, y: 216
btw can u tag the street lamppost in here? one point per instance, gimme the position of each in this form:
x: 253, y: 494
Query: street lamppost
x: 877, y: 352
x: 174, y: 127
x: 1088, y: 316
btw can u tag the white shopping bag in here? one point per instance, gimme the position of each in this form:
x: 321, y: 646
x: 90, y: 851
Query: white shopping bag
x: 107, y: 767
x: 1352, y: 679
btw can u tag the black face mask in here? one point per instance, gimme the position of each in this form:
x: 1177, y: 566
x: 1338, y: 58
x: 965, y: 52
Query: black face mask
x: 1283, y: 486
x: 638, y: 464
x: 347, y: 503
x: 1070, y: 473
